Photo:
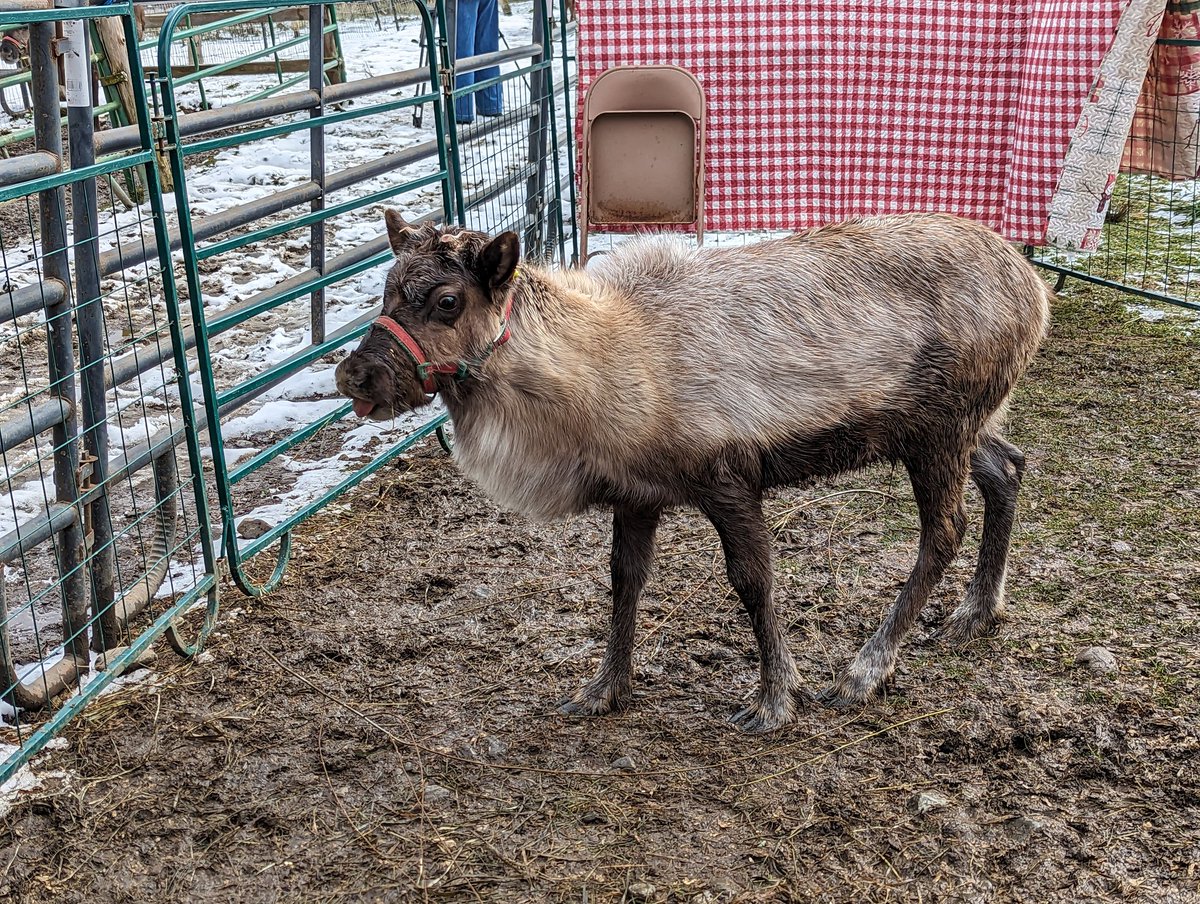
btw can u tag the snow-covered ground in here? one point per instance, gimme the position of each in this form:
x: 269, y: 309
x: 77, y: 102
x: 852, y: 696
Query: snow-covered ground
x: 140, y: 409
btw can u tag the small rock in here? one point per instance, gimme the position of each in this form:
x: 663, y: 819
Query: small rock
x: 1120, y: 547
x: 624, y: 763
x: 496, y: 748
x: 252, y: 528
x: 927, y: 801
x: 436, y: 792
x: 1023, y: 827
x: 643, y: 891
x: 726, y: 886
x: 466, y: 751
x: 1098, y: 659
x: 482, y: 592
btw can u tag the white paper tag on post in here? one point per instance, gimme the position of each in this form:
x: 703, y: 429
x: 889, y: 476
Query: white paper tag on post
x: 76, y: 66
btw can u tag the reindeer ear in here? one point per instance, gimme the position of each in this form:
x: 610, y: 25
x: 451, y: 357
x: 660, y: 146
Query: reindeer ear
x: 497, y: 262
x: 400, y: 234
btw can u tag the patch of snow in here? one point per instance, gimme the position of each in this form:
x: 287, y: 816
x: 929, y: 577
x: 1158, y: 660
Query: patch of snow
x: 1147, y: 313
x: 25, y: 779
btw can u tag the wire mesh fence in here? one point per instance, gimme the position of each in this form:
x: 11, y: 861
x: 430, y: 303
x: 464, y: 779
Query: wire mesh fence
x: 505, y: 129
x: 170, y: 364
x: 140, y: 526
x: 102, y: 523
x: 1149, y: 244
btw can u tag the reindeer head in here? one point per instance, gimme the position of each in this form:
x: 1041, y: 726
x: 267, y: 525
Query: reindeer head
x: 444, y: 311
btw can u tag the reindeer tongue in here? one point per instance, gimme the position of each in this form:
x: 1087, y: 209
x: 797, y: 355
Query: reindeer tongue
x: 362, y: 409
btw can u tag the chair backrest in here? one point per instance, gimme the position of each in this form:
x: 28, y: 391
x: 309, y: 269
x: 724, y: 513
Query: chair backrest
x: 643, y: 150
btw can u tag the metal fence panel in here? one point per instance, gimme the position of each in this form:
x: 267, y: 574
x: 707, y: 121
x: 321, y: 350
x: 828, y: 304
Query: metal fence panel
x: 132, y: 326
x: 103, y: 520
x: 264, y: 226
x: 1150, y: 245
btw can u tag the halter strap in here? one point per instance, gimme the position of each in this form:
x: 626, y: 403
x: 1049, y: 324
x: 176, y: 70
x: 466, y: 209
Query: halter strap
x: 460, y: 370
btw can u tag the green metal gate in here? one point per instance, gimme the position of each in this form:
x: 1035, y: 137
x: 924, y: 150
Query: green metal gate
x: 323, y: 273
x: 105, y: 513
x: 148, y: 293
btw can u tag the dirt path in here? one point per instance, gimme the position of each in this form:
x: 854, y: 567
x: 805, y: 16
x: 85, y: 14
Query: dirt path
x: 382, y: 728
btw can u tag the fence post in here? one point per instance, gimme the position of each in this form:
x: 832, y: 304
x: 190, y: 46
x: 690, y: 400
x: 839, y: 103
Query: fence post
x: 332, y: 47
x: 535, y: 186
x: 111, y: 34
x: 447, y: 51
x: 89, y: 314
x: 52, y: 218
x: 316, y: 144
x: 569, y: 111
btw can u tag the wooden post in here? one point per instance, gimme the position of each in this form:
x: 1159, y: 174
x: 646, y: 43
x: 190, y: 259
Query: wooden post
x: 331, y: 46
x: 111, y: 33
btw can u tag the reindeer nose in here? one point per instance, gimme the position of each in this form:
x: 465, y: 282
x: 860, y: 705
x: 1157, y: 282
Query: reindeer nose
x: 350, y: 377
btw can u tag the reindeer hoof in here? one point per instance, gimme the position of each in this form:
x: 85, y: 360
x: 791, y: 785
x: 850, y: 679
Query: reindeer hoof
x: 571, y: 706
x: 832, y: 699
x: 594, y: 700
x: 761, y: 717
x: 958, y: 631
x: 847, y: 693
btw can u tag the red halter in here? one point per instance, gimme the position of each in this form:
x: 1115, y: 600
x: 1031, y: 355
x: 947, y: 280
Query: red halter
x: 460, y: 369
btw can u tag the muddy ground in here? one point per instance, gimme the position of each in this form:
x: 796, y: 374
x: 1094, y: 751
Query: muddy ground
x: 382, y: 727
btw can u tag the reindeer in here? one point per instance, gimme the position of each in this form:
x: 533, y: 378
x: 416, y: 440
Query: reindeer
x: 667, y: 376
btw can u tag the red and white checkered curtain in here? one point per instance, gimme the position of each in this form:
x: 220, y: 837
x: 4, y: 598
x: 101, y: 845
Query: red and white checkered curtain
x: 819, y: 110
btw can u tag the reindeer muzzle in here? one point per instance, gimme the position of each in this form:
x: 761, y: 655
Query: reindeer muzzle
x: 428, y: 370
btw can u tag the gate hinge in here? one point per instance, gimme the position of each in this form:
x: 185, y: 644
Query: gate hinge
x: 83, y: 483
x: 83, y: 476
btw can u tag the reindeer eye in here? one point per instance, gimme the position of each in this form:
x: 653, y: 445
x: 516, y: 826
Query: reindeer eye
x: 447, y: 303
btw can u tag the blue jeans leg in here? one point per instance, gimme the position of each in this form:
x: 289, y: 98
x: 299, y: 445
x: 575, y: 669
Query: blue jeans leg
x: 487, y: 40
x: 465, y: 28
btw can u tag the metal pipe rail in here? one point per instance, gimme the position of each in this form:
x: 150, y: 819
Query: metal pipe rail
x: 28, y: 167
x: 48, y: 293
x: 29, y: 536
x: 34, y: 420
x: 247, y: 112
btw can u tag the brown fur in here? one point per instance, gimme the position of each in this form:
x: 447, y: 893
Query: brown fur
x: 668, y: 376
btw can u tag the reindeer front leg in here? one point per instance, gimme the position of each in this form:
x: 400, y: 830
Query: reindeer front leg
x: 632, y: 555
x: 736, y: 513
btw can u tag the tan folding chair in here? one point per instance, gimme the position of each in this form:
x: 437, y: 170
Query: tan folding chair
x: 643, y: 150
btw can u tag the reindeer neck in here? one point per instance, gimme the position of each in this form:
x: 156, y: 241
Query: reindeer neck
x: 556, y: 321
